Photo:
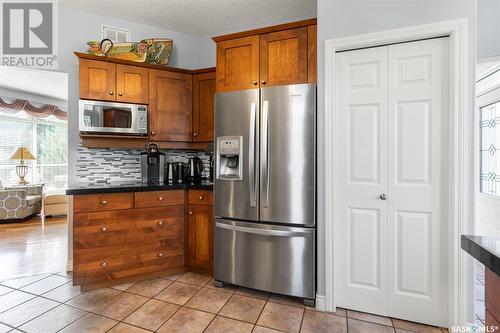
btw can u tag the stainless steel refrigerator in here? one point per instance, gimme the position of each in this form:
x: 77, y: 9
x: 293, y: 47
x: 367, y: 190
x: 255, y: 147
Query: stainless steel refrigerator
x: 265, y: 189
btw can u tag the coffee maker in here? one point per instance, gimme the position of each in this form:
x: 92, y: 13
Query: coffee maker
x: 195, y: 170
x: 153, y: 164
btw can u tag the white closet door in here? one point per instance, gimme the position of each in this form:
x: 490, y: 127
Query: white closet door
x: 417, y: 107
x: 361, y: 173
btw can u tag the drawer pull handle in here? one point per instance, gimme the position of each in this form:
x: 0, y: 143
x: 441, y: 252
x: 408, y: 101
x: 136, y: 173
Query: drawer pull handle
x: 160, y: 198
x: 111, y: 92
x: 190, y: 212
x: 104, y: 229
x: 195, y: 134
x: 104, y: 202
x: 161, y: 223
x: 120, y: 93
x: 104, y: 264
x: 160, y: 255
x: 254, y: 82
x: 201, y: 197
x: 263, y: 82
x: 153, y: 133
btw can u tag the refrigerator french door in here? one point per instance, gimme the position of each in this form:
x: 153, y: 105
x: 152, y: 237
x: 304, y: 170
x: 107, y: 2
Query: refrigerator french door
x: 265, y: 189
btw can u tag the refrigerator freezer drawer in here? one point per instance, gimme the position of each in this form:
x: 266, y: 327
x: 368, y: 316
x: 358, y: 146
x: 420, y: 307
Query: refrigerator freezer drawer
x: 272, y: 258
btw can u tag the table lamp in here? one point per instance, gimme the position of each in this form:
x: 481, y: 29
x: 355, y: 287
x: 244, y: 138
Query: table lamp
x: 22, y: 154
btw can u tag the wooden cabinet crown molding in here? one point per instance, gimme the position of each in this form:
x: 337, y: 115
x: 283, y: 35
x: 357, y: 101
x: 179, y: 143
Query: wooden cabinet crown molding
x: 82, y: 55
x: 265, y: 30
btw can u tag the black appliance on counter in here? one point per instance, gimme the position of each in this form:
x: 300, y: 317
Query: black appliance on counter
x: 195, y: 170
x: 180, y: 172
x: 152, y: 164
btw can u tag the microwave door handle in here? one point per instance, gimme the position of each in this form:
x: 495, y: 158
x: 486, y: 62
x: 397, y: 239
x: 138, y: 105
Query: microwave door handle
x: 251, y: 157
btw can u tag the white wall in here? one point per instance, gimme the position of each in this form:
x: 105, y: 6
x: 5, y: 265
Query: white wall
x: 77, y: 27
x: 340, y: 18
x: 488, y: 29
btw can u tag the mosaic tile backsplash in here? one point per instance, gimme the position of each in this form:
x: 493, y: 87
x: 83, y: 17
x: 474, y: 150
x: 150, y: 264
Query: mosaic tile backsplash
x: 97, y: 166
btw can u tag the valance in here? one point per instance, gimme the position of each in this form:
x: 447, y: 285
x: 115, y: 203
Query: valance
x: 40, y: 112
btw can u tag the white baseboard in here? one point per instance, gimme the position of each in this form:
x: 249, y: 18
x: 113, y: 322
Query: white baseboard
x: 321, y: 302
x: 69, y: 266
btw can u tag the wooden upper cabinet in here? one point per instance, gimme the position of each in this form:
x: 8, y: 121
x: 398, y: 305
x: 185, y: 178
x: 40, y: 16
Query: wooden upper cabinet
x: 170, y: 101
x: 132, y: 84
x: 200, y: 237
x: 97, y: 80
x: 283, y: 57
x: 203, y: 107
x: 238, y: 64
x: 312, y: 58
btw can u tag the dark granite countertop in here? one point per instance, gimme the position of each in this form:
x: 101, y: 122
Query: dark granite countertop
x: 485, y: 249
x: 85, y: 188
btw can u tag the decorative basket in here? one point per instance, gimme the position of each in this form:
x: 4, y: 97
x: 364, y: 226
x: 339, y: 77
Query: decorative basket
x: 159, y: 50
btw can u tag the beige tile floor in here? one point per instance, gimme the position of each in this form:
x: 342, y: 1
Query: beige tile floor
x: 182, y: 303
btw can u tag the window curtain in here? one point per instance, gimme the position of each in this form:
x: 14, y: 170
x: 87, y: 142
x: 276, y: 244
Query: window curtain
x: 34, y: 111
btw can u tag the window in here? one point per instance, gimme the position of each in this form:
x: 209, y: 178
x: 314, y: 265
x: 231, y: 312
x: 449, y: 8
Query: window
x: 489, y: 128
x: 46, y: 138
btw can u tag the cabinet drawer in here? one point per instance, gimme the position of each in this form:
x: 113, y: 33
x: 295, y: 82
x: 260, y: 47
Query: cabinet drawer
x: 159, y: 198
x: 200, y: 197
x: 102, y: 202
x: 119, y: 227
x: 118, y: 261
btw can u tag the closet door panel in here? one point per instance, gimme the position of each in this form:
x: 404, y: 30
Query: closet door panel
x: 417, y: 141
x: 361, y: 174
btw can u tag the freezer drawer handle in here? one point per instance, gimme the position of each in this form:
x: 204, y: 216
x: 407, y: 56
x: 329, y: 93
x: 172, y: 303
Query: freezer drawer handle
x: 251, y: 157
x: 259, y: 231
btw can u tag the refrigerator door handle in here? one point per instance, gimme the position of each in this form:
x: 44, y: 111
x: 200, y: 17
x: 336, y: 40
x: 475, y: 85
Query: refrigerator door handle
x: 265, y: 232
x: 251, y: 157
x: 265, y: 149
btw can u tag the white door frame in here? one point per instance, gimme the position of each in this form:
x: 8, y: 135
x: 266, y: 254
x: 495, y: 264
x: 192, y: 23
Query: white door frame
x: 459, y: 159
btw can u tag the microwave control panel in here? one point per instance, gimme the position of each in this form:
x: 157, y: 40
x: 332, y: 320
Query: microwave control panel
x: 142, y: 120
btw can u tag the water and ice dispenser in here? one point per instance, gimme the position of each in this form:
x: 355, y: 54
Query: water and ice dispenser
x: 230, y: 158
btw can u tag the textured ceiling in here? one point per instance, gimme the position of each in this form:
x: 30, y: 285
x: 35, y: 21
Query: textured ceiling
x: 200, y: 17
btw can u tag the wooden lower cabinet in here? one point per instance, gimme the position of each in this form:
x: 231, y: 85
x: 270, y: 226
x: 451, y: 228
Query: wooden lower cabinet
x: 200, y: 225
x: 110, y: 246
x: 492, y: 298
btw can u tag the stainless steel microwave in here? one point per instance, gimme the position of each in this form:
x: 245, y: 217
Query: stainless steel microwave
x: 113, y: 118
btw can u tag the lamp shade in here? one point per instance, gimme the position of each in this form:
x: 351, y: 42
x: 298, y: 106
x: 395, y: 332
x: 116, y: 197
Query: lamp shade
x: 22, y: 153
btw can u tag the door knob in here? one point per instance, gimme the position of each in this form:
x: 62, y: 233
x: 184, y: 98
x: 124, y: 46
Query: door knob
x: 254, y: 82
x: 190, y: 212
x: 111, y: 92
x: 160, y: 198
x: 383, y: 196
x: 263, y: 82
x: 104, y: 202
x: 153, y: 133
x: 161, y: 223
x: 195, y: 134
x: 104, y: 229
x: 120, y: 93
x: 104, y: 264
x: 201, y: 197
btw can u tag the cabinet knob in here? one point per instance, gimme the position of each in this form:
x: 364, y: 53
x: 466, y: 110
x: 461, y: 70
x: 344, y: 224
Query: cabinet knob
x: 161, y: 222
x: 195, y: 134
x: 190, y: 212
x: 160, y: 198
x: 104, y: 229
x: 111, y: 92
x: 160, y: 255
x: 201, y: 197
x: 120, y: 93
x: 254, y: 82
x: 263, y: 82
x: 104, y: 264
x: 104, y: 202
x: 152, y: 132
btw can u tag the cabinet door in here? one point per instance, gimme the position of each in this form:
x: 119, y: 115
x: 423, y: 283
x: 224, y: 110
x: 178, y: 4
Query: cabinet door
x: 283, y: 57
x: 97, y: 80
x: 170, y: 100
x: 203, y: 107
x: 238, y: 64
x: 132, y: 84
x: 200, y: 236
x: 312, y: 57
